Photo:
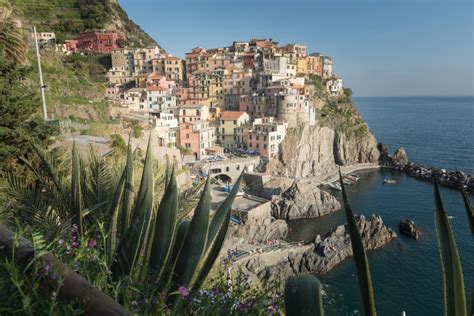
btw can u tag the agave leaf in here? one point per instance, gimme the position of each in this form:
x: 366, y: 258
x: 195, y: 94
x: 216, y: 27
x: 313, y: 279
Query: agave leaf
x: 303, y: 296
x: 360, y: 257
x: 453, y: 284
x: 126, y: 211
x: 221, y: 214
x: 165, y: 225
x: 469, y: 209
x: 182, y: 229
x: 194, y: 242
x: 217, y: 232
x: 76, y: 194
x: 134, y: 239
x: 114, y: 210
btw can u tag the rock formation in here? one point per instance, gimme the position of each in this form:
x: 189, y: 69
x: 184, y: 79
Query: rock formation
x: 400, y: 157
x: 258, y: 225
x: 303, y: 201
x: 408, y: 227
x: 317, y: 150
x: 318, y: 257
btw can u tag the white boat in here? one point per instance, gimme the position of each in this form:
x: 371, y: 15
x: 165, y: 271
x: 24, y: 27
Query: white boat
x: 355, y: 176
x: 389, y: 181
x: 335, y: 186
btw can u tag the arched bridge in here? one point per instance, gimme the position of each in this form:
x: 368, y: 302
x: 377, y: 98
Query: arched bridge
x: 228, y: 170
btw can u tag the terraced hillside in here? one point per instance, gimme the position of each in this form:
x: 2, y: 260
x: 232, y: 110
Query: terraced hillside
x: 67, y: 18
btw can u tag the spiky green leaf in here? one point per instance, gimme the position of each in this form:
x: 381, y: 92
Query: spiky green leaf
x: 165, y: 225
x: 127, y: 200
x: 134, y: 239
x: 469, y: 209
x: 194, y: 242
x: 303, y: 296
x: 360, y: 257
x: 76, y: 196
x: 452, y: 277
x: 217, y: 232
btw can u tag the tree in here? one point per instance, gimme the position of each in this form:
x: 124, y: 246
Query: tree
x: 12, y: 45
x: 18, y: 104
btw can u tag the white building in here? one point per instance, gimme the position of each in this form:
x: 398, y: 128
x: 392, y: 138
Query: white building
x: 135, y: 99
x: 160, y: 99
x: 334, y: 87
x: 165, y: 127
x: 265, y: 136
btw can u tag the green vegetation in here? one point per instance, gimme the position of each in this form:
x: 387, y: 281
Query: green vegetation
x: 146, y: 240
x: 18, y: 105
x: 68, y: 18
x: 342, y: 117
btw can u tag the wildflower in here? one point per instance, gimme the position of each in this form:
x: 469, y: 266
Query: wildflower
x: 92, y: 243
x: 243, y: 307
x: 75, y: 228
x: 75, y: 244
x: 54, y: 276
x: 61, y: 241
x: 184, y: 291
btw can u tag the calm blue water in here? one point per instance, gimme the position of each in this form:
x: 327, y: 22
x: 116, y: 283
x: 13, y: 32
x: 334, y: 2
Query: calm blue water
x: 407, y: 273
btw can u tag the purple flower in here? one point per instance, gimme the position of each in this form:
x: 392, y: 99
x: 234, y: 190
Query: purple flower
x: 184, y: 291
x: 75, y: 228
x: 61, y: 241
x: 92, y: 243
x: 243, y: 307
x: 75, y: 244
x: 54, y: 276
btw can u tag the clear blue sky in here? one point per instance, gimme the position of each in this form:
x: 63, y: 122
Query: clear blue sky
x: 379, y: 47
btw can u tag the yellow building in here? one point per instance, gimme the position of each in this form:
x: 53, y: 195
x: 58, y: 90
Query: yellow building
x: 230, y: 135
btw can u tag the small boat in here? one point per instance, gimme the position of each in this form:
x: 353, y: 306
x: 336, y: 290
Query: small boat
x: 354, y: 176
x: 347, y: 181
x: 335, y: 186
x: 389, y: 181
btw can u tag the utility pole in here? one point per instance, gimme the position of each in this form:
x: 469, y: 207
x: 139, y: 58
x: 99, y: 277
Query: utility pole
x: 40, y: 72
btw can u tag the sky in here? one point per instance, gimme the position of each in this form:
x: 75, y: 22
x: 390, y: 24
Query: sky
x: 379, y: 47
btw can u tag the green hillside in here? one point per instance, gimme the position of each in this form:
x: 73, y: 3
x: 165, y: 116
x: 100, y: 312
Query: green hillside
x: 68, y: 18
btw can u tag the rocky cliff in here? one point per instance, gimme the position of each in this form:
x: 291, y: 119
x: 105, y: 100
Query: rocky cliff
x: 340, y: 137
x: 318, y: 257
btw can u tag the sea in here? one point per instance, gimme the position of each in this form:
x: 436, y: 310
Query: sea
x: 406, y: 274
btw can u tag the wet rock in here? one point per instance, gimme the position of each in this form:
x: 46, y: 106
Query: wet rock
x: 408, y: 227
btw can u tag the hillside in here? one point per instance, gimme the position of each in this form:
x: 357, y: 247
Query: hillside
x: 67, y: 18
x: 76, y: 84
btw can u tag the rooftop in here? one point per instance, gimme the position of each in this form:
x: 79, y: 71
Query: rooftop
x: 231, y: 115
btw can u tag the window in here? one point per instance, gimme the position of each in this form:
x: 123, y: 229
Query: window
x: 227, y: 169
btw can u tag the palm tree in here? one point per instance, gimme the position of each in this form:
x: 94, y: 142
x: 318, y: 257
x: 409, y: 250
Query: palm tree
x: 12, y: 44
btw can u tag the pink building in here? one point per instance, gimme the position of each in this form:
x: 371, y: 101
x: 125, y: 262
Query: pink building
x: 196, y: 136
x: 114, y: 92
x: 98, y: 41
x: 157, y: 80
x: 265, y: 136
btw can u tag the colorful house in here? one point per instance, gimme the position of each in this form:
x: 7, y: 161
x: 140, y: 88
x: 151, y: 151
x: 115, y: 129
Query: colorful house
x: 230, y: 134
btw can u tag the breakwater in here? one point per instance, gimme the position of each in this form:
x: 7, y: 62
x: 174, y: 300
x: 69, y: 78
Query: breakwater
x: 453, y: 179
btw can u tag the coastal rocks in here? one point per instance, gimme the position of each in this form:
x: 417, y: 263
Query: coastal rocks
x: 318, y: 257
x: 258, y: 225
x: 407, y: 227
x: 303, y: 201
x: 453, y: 179
x: 309, y: 151
x: 400, y: 157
